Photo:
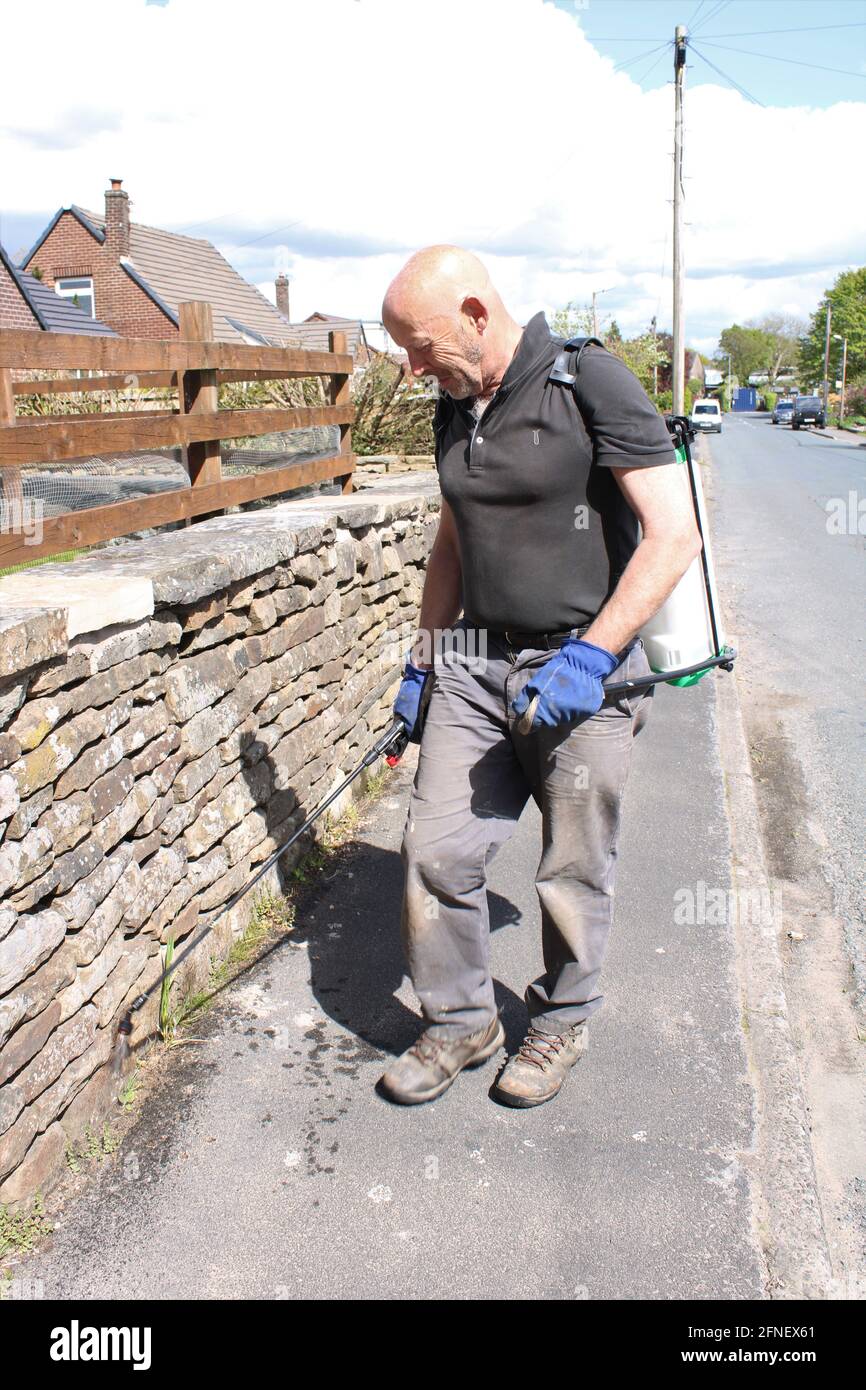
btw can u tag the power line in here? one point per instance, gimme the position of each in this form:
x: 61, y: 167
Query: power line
x: 798, y: 62
x: 810, y: 29
x: 648, y: 53
x: 645, y: 77
x: 740, y: 89
x: 711, y: 14
x: 696, y: 13
x: 275, y: 231
x: 206, y: 223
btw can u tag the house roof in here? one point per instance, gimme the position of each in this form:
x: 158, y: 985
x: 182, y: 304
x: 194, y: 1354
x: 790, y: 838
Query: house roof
x: 172, y: 269
x: 53, y: 312
x: 312, y: 333
x: 96, y: 232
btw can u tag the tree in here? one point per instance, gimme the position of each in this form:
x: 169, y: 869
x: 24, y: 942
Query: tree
x: 571, y: 322
x: 784, y: 335
x: 770, y: 345
x: 749, y: 348
x: 848, y: 301
x: 640, y: 353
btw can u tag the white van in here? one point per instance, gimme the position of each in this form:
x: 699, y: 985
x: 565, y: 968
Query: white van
x: 707, y: 415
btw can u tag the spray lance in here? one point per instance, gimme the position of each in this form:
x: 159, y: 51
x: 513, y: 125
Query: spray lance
x: 683, y: 642
x: 393, y: 742
x: 684, y: 639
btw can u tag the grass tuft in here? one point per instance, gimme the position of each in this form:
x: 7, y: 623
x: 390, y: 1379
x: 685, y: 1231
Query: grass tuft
x: 20, y: 1230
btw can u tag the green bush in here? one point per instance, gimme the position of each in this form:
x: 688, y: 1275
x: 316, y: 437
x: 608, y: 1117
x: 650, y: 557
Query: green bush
x: 769, y: 399
x: 855, y: 399
x: 663, y: 402
x: 695, y: 388
x: 393, y: 413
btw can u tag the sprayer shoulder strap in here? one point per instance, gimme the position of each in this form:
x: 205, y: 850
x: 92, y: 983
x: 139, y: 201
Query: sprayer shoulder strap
x: 564, y: 369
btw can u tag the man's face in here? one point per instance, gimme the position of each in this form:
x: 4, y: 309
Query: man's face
x: 449, y: 349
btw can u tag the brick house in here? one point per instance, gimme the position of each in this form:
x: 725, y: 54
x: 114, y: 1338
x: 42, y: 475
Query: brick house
x: 26, y: 302
x: 135, y: 277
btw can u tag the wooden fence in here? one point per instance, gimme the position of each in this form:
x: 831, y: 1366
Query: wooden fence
x: 195, y: 366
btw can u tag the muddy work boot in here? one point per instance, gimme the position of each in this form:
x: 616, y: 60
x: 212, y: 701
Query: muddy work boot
x: 536, y: 1072
x: 429, y: 1066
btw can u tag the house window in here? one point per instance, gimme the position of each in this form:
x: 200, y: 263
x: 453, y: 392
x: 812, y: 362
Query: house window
x: 80, y: 290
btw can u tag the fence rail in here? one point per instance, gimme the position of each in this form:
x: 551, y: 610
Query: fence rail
x: 195, y: 366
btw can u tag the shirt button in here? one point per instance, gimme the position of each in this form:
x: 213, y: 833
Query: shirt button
x: 480, y: 439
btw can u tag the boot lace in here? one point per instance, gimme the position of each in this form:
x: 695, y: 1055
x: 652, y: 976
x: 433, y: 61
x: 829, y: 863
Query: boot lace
x: 428, y: 1049
x: 539, y: 1048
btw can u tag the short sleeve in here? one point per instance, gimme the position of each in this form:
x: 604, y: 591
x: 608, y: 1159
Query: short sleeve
x: 626, y: 429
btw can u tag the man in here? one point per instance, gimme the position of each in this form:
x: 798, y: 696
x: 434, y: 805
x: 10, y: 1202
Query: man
x: 538, y: 543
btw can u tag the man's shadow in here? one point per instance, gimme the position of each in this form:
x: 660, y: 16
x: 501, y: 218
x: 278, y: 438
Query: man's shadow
x: 348, y: 916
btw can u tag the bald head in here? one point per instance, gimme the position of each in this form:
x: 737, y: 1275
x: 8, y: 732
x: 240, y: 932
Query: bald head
x: 444, y: 310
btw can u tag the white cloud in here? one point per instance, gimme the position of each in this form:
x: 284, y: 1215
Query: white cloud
x: 378, y: 126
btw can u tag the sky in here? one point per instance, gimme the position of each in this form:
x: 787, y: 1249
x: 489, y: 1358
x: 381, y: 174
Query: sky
x: 331, y: 139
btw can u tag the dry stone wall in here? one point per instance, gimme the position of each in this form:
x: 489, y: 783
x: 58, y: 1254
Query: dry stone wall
x: 170, y: 711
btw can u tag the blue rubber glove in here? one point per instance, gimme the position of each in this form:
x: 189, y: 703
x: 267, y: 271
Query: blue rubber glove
x: 569, y: 685
x: 408, y: 702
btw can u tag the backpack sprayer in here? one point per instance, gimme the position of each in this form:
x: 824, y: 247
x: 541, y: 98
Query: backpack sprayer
x: 683, y: 641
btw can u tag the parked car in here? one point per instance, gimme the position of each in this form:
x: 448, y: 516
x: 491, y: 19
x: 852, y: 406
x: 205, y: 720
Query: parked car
x: 782, y: 412
x: 707, y: 415
x: 808, y: 410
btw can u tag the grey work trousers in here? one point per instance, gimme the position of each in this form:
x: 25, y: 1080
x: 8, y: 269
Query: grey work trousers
x: 475, y: 774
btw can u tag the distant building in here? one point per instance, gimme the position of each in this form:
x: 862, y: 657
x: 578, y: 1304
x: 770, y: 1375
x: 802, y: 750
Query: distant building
x: 694, y: 367
x: 134, y: 277
x: 312, y: 334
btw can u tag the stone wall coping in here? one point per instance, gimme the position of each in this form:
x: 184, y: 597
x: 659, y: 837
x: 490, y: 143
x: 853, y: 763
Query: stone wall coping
x: 44, y: 608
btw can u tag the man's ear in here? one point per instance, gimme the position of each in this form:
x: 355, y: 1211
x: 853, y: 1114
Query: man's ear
x: 476, y: 311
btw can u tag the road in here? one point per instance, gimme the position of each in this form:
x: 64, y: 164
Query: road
x: 789, y: 524
x: 795, y: 584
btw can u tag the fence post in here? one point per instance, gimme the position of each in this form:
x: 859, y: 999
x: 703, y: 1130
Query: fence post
x: 339, y: 394
x: 198, y: 393
x: 10, y: 478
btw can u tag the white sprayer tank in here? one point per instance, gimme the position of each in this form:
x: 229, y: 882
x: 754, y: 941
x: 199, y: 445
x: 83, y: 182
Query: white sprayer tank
x: 681, y: 633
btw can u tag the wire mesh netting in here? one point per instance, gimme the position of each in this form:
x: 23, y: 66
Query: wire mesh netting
x: 99, y: 481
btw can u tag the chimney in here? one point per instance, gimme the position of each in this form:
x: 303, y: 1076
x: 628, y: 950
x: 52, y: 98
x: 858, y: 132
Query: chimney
x: 117, y: 219
x: 281, y: 285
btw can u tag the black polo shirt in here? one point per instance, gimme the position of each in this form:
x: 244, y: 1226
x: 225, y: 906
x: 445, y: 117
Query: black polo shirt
x: 544, y: 530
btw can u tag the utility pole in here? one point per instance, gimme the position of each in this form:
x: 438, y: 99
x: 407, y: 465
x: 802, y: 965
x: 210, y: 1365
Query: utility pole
x: 730, y: 400
x: 678, y: 365
x: 827, y: 357
x: 655, y: 357
x: 844, y: 342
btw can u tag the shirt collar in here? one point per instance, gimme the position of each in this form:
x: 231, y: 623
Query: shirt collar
x: 534, y: 341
